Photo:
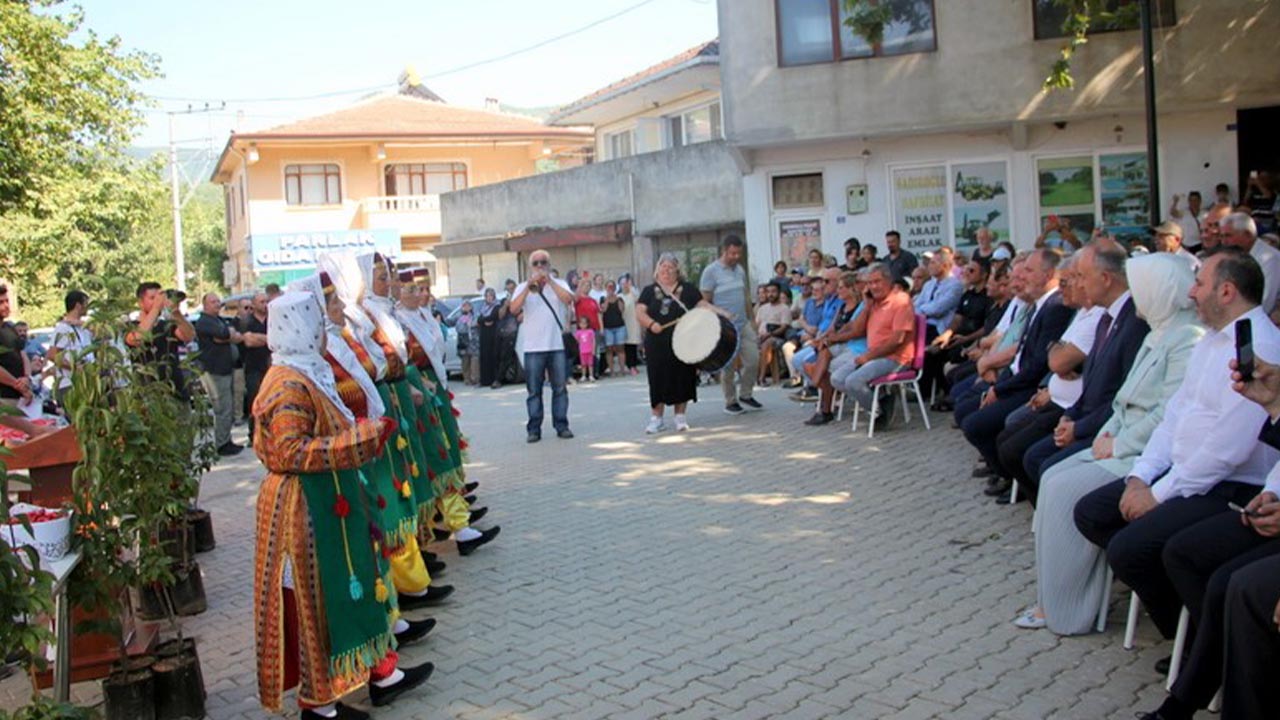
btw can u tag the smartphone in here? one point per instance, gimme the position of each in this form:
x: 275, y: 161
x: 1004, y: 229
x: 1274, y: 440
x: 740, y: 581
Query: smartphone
x: 1244, y: 349
x: 1242, y: 511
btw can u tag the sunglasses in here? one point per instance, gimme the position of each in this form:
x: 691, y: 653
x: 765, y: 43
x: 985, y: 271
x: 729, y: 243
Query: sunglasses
x: 540, y: 263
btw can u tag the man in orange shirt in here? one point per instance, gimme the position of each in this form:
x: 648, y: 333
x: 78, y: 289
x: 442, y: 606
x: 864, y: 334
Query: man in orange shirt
x: 891, y: 336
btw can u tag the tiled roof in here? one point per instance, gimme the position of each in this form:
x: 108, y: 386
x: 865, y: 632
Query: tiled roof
x: 400, y: 115
x: 706, y: 52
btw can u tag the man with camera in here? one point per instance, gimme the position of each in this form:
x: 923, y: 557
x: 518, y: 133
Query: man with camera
x: 545, y: 301
x: 159, y: 334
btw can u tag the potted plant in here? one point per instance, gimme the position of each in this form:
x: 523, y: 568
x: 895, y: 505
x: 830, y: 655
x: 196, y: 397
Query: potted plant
x: 26, y: 594
x: 134, y: 490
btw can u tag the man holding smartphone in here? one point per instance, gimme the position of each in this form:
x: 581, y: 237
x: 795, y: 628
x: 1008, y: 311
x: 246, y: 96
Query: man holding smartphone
x: 545, y: 302
x: 159, y: 334
x: 1204, y: 454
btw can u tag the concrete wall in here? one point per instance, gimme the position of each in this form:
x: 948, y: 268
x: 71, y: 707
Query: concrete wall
x: 988, y: 69
x: 692, y: 187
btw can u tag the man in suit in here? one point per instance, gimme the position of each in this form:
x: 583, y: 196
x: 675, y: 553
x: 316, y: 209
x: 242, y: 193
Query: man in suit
x: 1047, y: 318
x: 1205, y: 451
x: 1116, y: 342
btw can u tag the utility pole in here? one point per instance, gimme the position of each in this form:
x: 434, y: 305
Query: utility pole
x: 179, y: 256
x: 1149, y: 86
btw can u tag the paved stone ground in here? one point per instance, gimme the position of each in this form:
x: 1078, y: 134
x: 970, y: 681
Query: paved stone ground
x: 751, y: 568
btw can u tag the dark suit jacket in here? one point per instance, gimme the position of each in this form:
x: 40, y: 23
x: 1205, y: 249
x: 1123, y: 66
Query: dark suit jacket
x: 1105, y: 370
x: 1046, y: 328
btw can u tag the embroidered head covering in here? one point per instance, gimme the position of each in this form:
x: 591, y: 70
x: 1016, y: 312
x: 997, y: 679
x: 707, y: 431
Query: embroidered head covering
x: 1159, y: 284
x: 320, y: 287
x: 295, y: 335
x: 348, y: 281
x: 381, y: 309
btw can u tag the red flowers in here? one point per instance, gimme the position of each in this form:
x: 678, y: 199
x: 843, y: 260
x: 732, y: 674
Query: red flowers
x: 463, y: 444
x: 342, y: 508
x: 435, y: 421
x: 455, y: 412
x: 450, y: 394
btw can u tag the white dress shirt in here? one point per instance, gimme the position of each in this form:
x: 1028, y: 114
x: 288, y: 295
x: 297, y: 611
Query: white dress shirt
x: 1081, y: 333
x: 1269, y: 258
x: 1209, y: 432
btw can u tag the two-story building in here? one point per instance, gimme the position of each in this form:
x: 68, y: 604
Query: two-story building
x: 370, y: 176
x: 944, y: 127
x: 663, y: 180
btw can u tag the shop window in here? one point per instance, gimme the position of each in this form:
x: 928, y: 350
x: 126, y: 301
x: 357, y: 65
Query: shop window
x: 619, y: 144
x: 313, y: 184
x: 797, y: 191
x: 425, y: 178
x: 813, y: 31
x: 1119, y: 15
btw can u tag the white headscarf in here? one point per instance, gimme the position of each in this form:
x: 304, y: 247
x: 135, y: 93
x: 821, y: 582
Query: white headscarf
x: 348, y: 282
x: 427, y: 332
x: 1159, y: 284
x: 337, y: 347
x: 295, y: 335
x: 381, y: 309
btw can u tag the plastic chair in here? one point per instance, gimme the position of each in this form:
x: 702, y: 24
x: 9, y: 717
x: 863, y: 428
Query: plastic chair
x: 902, y: 379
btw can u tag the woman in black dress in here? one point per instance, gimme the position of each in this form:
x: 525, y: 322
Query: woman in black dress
x: 671, y: 382
x: 487, y: 319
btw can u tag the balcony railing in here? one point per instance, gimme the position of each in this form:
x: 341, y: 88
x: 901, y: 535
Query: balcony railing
x: 409, y: 214
x: 403, y: 203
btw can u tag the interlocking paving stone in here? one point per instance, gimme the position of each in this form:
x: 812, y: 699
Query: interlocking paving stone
x: 751, y: 568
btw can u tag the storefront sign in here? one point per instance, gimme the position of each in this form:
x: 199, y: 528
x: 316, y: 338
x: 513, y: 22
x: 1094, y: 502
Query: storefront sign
x: 1126, y: 210
x: 298, y: 251
x: 797, y: 238
x: 979, y: 199
x: 1066, y: 200
x: 920, y: 207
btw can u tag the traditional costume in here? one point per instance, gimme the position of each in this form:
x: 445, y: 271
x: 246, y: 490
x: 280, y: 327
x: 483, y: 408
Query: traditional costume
x: 395, y: 478
x: 320, y: 602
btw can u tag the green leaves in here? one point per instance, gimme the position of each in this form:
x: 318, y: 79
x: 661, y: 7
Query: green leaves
x: 1083, y: 16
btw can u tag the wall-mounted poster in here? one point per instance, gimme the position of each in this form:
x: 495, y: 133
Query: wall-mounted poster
x: 1126, y: 212
x: 979, y: 199
x: 920, y: 207
x: 796, y: 238
x: 1066, y: 200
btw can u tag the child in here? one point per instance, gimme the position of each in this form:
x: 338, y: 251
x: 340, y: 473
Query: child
x: 586, y: 338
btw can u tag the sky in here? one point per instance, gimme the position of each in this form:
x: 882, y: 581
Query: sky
x: 242, y: 51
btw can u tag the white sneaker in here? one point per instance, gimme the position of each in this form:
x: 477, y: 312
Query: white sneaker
x: 1030, y: 619
x: 654, y: 427
x: 681, y: 423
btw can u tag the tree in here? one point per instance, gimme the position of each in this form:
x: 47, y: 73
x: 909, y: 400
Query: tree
x: 71, y: 201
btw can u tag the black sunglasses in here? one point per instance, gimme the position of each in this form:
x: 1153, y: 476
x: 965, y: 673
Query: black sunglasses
x: 540, y: 263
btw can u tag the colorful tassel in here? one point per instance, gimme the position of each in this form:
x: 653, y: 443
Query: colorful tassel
x: 450, y: 392
x: 463, y: 444
x: 421, y: 428
x: 342, y: 508
x: 456, y: 413
x: 444, y: 455
x: 431, y: 474
x: 435, y: 421
x: 357, y: 591
x: 401, y: 443
x: 382, y: 502
x: 380, y: 591
x: 406, y: 489
x: 413, y: 470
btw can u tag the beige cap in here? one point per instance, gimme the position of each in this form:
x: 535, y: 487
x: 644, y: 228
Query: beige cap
x: 1168, y: 227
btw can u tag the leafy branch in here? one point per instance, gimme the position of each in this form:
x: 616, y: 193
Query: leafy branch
x: 1081, y: 17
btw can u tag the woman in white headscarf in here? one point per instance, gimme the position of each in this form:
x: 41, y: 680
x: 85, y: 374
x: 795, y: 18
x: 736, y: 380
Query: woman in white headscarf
x: 402, y: 480
x: 1071, y: 571
x: 325, y: 630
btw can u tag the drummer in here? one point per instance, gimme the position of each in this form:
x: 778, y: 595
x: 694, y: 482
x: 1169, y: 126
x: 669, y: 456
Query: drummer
x: 661, y: 304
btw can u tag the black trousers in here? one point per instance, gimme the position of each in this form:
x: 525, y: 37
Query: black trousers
x: 1253, y: 645
x: 1134, y: 549
x: 1017, y: 436
x: 1200, y: 561
x: 633, y: 354
x: 252, y: 382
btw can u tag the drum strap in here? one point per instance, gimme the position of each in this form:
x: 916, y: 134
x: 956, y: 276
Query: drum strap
x: 674, y: 296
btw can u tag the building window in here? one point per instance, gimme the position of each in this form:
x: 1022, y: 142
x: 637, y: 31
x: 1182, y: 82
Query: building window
x: 695, y: 126
x: 797, y: 191
x: 313, y: 184
x: 619, y: 144
x: 425, y: 178
x: 813, y: 31
x: 1050, y: 16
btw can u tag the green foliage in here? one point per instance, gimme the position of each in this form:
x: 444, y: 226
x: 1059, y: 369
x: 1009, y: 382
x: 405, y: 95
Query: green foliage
x: 43, y: 708
x: 1081, y: 17
x: 72, y: 201
x: 144, y: 450
x: 867, y: 19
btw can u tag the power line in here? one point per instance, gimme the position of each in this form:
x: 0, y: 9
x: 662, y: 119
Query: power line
x: 451, y: 71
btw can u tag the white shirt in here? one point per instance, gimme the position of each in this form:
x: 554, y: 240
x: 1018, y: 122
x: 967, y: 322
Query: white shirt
x: 1190, y: 258
x: 1190, y: 228
x: 1269, y: 258
x: 68, y: 338
x: 597, y: 295
x: 1081, y: 333
x: 1209, y: 432
x: 539, y: 331
x: 1010, y: 312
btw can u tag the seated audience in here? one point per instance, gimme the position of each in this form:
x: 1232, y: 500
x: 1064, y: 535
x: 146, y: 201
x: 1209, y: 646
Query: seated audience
x: 773, y: 318
x: 1070, y: 571
x: 1045, y: 319
x: 966, y: 324
x: 1168, y: 238
x: 1036, y: 420
x: 1203, y: 454
x: 1238, y: 230
x: 823, y: 307
x: 843, y: 338
x: 964, y: 350
x: 996, y: 350
x: 940, y: 295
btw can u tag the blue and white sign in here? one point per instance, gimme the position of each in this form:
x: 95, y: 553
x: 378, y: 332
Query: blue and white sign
x: 298, y: 251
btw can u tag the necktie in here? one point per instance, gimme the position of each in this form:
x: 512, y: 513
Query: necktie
x: 1017, y: 327
x: 1103, y: 332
